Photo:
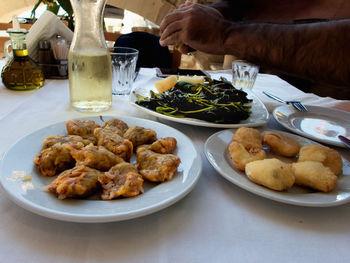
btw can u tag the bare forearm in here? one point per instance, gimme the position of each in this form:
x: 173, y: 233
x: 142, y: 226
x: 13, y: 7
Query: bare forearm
x: 316, y: 51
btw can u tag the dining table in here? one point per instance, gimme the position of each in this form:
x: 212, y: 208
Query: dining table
x: 217, y: 221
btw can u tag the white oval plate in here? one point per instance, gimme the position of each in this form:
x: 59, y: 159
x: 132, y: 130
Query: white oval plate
x: 319, y: 123
x: 216, y: 150
x: 258, y: 117
x: 18, y: 161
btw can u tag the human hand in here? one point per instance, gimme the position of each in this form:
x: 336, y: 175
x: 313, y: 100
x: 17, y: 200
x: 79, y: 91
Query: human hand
x: 196, y: 26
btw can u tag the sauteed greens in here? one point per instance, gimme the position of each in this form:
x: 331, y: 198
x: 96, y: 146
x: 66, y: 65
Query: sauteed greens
x: 214, y: 101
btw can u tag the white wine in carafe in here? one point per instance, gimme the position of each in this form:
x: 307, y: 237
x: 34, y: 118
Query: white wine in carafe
x: 90, y: 81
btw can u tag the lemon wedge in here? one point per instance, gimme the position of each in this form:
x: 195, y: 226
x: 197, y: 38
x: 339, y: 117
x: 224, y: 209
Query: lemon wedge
x: 165, y: 84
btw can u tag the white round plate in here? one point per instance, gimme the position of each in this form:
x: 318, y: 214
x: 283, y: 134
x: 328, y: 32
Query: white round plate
x: 319, y: 123
x: 258, y: 117
x: 18, y: 162
x: 216, y: 150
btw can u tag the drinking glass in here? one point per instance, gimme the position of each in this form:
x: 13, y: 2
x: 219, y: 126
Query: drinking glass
x: 244, y: 74
x: 123, y: 69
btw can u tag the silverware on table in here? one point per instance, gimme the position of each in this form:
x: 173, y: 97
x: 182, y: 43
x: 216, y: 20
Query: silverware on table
x: 296, y: 104
x: 344, y: 140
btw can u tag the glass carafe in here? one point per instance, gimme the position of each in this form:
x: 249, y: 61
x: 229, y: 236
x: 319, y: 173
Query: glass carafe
x: 20, y: 72
x: 89, y: 61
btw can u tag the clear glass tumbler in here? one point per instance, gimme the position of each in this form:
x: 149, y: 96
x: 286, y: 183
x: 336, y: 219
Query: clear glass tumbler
x: 244, y: 74
x: 124, y: 61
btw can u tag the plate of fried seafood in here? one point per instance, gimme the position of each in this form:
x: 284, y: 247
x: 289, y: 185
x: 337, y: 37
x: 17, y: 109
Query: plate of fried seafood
x: 318, y: 123
x: 100, y: 169
x: 280, y: 166
x: 208, y: 103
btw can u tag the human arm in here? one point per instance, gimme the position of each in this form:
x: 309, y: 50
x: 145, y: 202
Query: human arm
x: 316, y: 51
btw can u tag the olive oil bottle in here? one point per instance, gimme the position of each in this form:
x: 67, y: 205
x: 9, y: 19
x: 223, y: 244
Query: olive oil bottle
x: 20, y: 72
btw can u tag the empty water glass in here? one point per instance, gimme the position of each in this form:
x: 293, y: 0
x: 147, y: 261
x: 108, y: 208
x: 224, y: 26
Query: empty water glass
x: 244, y: 74
x: 123, y: 69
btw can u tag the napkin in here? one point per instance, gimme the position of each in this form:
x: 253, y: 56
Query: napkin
x: 46, y: 28
x: 282, y: 89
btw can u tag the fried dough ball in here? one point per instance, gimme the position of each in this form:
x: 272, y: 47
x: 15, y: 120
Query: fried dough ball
x: 314, y: 175
x: 121, y: 180
x: 70, y: 139
x: 249, y: 138
x: 80, y: 181
x: 97, y: 157
x: 240, y: 156
x: 281, y: 144
x: 54, y: 159
x: 139, y: 136
x: 271, y: 173
x: 116, y: 125
x: 114, y: 143
x: 156, y: 167
x: 325, y: 155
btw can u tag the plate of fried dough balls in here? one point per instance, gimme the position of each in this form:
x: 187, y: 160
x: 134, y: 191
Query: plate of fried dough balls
x: 280, y: 166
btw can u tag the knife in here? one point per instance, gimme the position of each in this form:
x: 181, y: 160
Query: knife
x: 345, y: 140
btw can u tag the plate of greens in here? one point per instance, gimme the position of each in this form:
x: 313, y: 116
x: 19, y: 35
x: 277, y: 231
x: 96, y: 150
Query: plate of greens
x: 215, y: 103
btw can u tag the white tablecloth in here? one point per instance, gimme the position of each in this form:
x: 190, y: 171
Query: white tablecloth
x: 216, y: 222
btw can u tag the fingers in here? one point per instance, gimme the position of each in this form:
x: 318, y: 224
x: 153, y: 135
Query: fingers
x: 171, y: 29
x: 172, y: 39
x: 187, y: 3
x: 184, y: 49
x: 173, y: 16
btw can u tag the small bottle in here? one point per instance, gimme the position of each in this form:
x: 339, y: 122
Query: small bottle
x: 46, y: 59
x: 20, y: 72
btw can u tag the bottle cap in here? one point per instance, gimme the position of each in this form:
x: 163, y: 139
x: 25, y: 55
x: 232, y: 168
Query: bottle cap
x: 16, y: 28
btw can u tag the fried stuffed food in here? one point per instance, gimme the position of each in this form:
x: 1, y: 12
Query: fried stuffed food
x: 325, y: 155
x: 314, y: 175
x: 139, y: 136
x: 281, y: 144
x: 121, y: 180
x: 84, y: 128
x: 79, y: 181
x: 97, y: 157
x: 240, y: 156
x: 114, y: 143
x: 70, y: 139
x: 271, y: 173
x: 156, y: 167
x: 116, y: 125
x: 53, y: 160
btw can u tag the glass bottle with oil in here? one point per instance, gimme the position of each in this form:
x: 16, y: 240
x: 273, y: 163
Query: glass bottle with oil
x: 89, y: 61
x: 20, y: 72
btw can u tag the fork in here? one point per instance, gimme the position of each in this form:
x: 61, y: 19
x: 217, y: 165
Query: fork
x: 296, y: 104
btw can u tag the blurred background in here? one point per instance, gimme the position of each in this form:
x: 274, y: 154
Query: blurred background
x: 120, y: 17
